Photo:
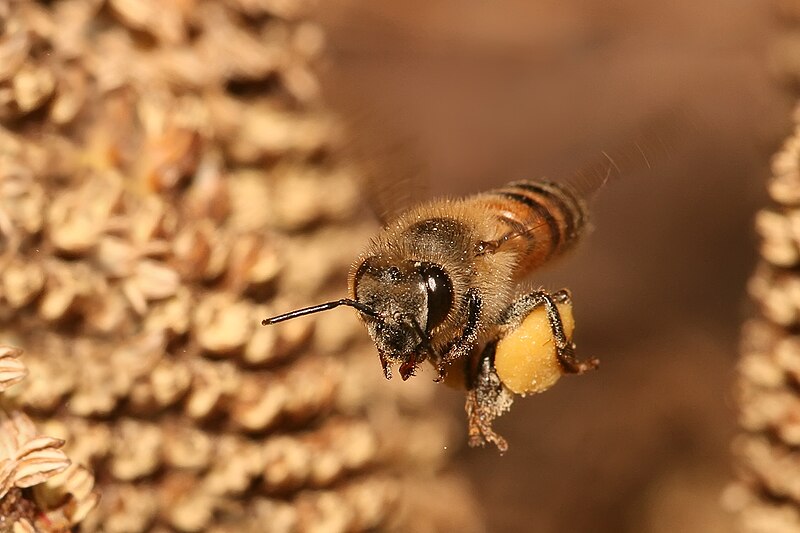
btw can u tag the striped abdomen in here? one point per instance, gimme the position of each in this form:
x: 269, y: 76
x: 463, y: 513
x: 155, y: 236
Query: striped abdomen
x: 541, y: 219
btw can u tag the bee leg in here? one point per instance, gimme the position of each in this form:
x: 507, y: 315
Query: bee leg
x: 565, y: 350
x: 566, y: 355
x: 487, y: 399
x: 386, y: 366
x: 462, y: 347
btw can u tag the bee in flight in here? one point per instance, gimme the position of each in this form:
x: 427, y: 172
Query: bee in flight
x: 443, y: 282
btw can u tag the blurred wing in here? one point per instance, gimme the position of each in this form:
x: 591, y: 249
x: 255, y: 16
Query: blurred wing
x: 389, y: 172
x: 655, y: 141
x: 384, y: 156
x: 386, y: 153
x: 550, y: 215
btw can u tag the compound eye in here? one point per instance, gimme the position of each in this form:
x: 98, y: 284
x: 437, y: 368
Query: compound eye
x: 440, y: 293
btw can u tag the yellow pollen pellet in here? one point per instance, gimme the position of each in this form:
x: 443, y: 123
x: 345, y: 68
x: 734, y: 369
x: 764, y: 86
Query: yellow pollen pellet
x: 525, y: 360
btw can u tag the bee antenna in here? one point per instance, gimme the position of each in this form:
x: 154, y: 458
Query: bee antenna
x: 322, y: 307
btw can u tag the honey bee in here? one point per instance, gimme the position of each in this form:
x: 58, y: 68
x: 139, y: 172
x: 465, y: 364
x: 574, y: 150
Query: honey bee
x: 444, y: 282
x: 441, y: 282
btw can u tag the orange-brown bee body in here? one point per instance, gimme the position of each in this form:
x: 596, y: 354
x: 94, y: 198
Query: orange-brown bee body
x: 524, y: 207
x: 481, y: 245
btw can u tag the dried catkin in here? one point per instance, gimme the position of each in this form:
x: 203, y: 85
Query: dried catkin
x: 168, y: 178
x: 766, y: 496
x: 60, y: 492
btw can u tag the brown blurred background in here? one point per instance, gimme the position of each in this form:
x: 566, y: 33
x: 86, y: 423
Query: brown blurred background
x: 480, y: 93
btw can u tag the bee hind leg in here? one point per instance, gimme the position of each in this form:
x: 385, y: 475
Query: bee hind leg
x: 487, y: 399
x: 565, y: 350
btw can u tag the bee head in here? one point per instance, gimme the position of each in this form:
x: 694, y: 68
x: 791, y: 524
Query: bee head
x: 410, y: 299
x: 400, y: 302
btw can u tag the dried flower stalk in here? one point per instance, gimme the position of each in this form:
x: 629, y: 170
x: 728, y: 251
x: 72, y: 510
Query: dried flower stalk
x: 766, y: 496
x: 167, y: 179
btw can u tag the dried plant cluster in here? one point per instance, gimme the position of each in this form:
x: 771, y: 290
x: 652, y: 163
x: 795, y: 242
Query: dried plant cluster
x: 60, y: 493
x: 767, y: 452
x: 767, y: 496
x: 167, y: 179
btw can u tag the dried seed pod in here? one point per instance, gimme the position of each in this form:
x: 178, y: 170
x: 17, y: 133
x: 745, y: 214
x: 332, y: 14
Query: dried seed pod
x: 124, y: 508
x: 259, y: 403
x: 778, y: 293
x: 71, y: 94
x: 253, y: 262
x: 170, y: 381
x: 302, y: 393
x: 135, y: 450
x: 171, y: 158
x: 308, y: 40
x: 154, y: 280
x: 99, y: 387
x: 70, y: 289
x: 300, y: 199
x: 109, y: 312
x: 249, y: 193
x: 267, y: 347
x: 76, y: 220
x: 61, y: 292
x: 199, y: 252
x: 149, y: 224
x: 55, y: 377
x: 22, y: 200
x: 356, y: 506
x: 172, y: 316
x: 312, y: 385
x: 32, y: 85
x: 207, y: 197
x: 287, y: 464
x: 21, y: 283
x: 261, y: 347
x: 86, y: 442
x: 14, y: 50
x: 190, y: 508
x: 222, y: 324
x: 163, y: 20
x: 30, y: 458
x: 261, y: 515
x: 254, y: 57
x: 12, y: 369
x: 115, y: 256
x: 188, y: 448
x: 356, y: 444
x: 267, y: 132
x: 777, y: 230
x: 212, y: 385
x: 75, y: 486
x: 240, y: 461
